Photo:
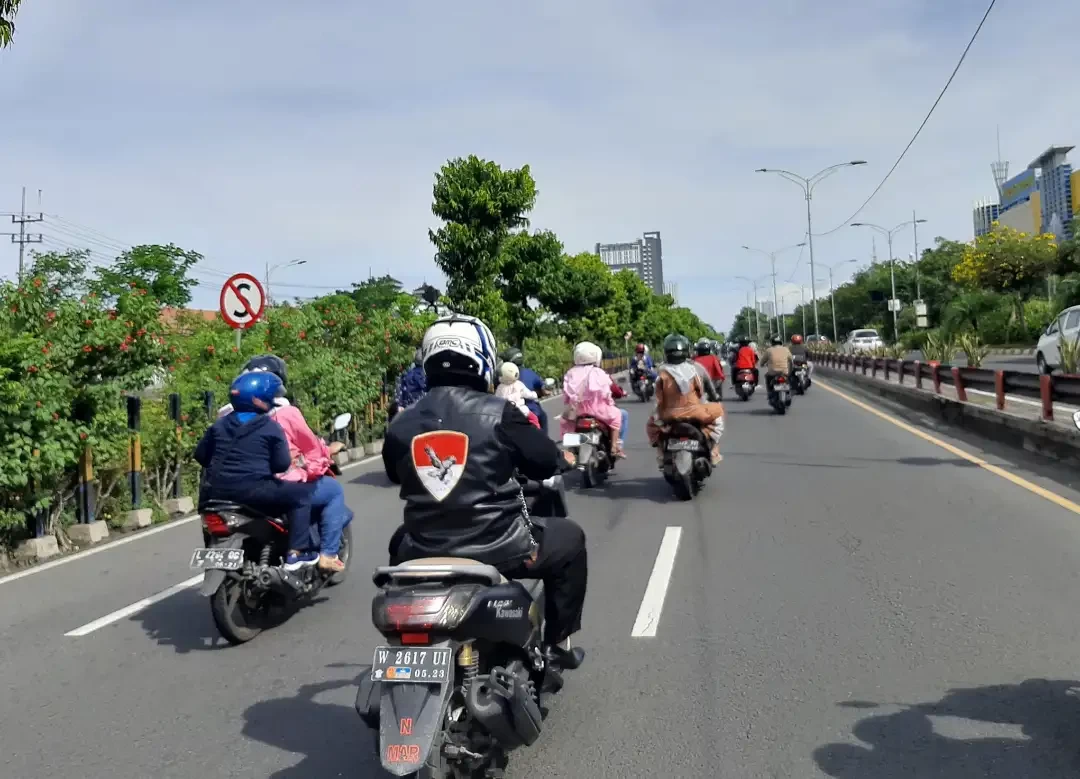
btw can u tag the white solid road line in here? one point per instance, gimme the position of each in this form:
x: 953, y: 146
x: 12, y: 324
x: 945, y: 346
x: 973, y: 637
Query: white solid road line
x: 652, y: 603
x: 134, y: 608
x: 128, y: 539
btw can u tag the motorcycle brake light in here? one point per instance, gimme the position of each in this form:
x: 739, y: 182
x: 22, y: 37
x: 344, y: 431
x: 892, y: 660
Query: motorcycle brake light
x: 415, y: 638
x: 216, y: 525
x: 586, y: 424
x: 781, y: 380
x: 412, y: 612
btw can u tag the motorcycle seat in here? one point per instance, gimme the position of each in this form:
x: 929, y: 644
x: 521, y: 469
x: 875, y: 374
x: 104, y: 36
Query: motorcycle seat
x: 440, y: 568
x: 231, y: 507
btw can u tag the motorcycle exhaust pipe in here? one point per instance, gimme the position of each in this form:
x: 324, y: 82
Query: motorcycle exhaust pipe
x: 279, y: 580
x: 584, y: 455
x: 505, y: 706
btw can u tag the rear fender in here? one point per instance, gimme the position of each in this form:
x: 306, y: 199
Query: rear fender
x: 411, y: 718
x: 212, y: 579
x: 585, y: 453
x: 684, y: 462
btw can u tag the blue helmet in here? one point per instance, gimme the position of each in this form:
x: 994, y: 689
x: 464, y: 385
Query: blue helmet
x: 254, y: 391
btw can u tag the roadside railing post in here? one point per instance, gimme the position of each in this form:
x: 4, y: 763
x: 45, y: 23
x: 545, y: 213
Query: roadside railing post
x: 918, y: 374
x: 84, y: 489
x: 863, y: 361
x: 176, y: 417
x: 958, y: 384
x: 900, y: 370
x: 208, y: 404
x: 999, y: 389
x: 873, y: 367
x: 935, y: 371
x: 134, y: 415
x: 1046, y: 394
x: 886, y: 369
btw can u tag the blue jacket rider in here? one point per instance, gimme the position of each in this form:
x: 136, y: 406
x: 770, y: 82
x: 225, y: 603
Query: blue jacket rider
x: 642, y: 361
x: 413, y: 384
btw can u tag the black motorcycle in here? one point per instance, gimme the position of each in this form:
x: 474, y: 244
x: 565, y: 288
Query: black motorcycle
x: 780, y: 394
x: 242, y: 560
x: 687, y: 458
x: 591, y: 444
x: 800, y: 378
x: 464, y: 678
x: 643, y: 386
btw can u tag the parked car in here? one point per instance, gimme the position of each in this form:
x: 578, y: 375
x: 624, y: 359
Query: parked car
x: 1048, y: 352
x: 860, y: 341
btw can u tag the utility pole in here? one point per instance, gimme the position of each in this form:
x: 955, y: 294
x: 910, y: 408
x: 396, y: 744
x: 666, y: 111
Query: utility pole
x: 22, y: 237
x: 915, y: 231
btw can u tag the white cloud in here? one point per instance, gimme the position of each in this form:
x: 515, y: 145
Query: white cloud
x: 264, y: 131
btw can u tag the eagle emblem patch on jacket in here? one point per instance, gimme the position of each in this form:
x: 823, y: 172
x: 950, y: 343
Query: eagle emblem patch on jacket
x: 439, y: 460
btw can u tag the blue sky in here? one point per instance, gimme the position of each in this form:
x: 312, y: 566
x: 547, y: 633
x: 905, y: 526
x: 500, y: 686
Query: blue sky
x: 265, y: 131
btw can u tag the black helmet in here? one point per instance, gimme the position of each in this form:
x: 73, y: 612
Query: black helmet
x: 776, y: 341
x: 744, y: 340
x: 271, y: 363
x: 703, y: 346
x: 514, y: 355
x: 676, y: 348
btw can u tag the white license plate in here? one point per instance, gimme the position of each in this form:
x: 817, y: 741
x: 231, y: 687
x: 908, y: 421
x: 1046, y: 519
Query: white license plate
x: 419, y: 666
x: 571, y: 439
x: 683, y: 445
x: 217, y: 559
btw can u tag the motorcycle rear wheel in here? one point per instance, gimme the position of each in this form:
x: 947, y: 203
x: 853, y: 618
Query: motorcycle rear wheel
x: 236, y: 622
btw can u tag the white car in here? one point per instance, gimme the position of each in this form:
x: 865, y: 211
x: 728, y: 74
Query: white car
x: 860, y: 341
x: 1048, y: 352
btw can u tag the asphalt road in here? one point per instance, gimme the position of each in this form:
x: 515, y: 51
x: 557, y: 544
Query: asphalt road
x: 848, y: 599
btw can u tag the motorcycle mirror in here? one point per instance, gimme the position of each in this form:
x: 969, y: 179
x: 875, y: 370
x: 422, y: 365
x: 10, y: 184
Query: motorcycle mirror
x: 549, y: 383
x: 341, y: 421
x: 1076, y: 419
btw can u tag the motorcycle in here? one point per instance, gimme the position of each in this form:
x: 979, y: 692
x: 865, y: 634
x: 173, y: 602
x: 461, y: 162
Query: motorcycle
x: 242, y: 561
x: 745, y: 383
x: 591, y: 445
x: 780, y: 394
x: 464, y: 678
x: 643, y: 386
x: 687, y: 461
x: 800, y: 378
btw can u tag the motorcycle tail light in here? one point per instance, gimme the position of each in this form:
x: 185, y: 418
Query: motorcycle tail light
x: 781, y: 380
x: 216, y: 525
x: 586, y: 424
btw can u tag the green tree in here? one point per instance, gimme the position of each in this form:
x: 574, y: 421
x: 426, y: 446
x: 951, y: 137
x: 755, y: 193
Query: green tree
x: 580, y: 286
x: 161, y: 269
x: 8, y: 10
x: 480, y: 204
x: 527, y: 262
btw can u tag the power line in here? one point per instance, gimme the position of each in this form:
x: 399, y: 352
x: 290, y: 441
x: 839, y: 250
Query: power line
x: 941, y: 94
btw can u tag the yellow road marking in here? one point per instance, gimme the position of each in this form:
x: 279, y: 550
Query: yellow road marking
x: 1042, y: 492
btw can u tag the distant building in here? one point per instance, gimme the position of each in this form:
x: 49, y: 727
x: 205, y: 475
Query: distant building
x: 671, y: 288
x: 766, y: 308
x: 983, y: 215
x: 1020, y: 203
x: 644, y: 257
x: 1055, y: 190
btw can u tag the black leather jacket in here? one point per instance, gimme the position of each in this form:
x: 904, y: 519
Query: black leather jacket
x: 471, y: 508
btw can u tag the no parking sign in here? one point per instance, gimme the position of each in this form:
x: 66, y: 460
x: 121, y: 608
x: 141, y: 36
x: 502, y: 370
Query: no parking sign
x: 242, y: 301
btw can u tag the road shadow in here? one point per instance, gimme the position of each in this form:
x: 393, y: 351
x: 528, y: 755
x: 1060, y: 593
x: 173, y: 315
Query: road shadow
x: 183, y: 621
x: 912, y: 743
x: 652, y: 488
x: 330, y: 736
x: 372, y: 478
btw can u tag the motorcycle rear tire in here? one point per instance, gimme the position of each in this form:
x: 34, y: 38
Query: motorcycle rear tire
x: 224, y: 617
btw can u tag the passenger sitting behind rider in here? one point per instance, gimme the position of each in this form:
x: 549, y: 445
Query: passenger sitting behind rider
x: 680, y: 390
x: 243, y: 452
x: 512, y: 388
x: 745, y: 360
x: 778, y: 360
x: 455, y: 454
x: 587, y: 392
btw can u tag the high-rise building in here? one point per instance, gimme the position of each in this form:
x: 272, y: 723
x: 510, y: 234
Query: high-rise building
x: 984, y: 214
x: 644, y: 257
x: 1055, y: 190
x: 766, y: 308
x: 671, y: 288
x: 1020, y: 203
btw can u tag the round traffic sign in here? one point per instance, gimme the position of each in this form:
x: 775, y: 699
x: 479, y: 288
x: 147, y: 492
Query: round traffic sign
x: 242, y: 301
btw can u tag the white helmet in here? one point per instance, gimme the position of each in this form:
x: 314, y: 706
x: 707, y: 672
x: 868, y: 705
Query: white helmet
x: 460, y: 345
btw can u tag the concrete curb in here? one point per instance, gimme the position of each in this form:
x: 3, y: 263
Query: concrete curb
x: 1002, y: 352
x: 1029, y: 435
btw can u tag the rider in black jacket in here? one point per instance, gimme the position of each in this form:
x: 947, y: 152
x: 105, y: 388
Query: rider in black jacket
x: 455, y: 453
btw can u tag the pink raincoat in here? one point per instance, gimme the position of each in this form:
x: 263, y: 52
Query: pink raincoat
x: 587, y: 392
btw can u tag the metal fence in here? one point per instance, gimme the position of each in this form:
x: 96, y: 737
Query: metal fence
x: 1045, y: 388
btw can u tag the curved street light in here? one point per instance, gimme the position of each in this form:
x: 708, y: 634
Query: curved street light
x: 772, y: 260
x: 807, y: 185
x: 832, y: 297
x: 270, y: 269
x: 892, y: 270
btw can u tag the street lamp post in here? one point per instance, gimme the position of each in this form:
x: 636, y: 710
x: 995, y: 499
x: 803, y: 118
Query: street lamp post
x: 270, y: 270
x: 832, y: 297
x: 892, y: 265
x: 772, y: 260
x: 915, y: 235
x: 808, y: 185
x: 757, y: 318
